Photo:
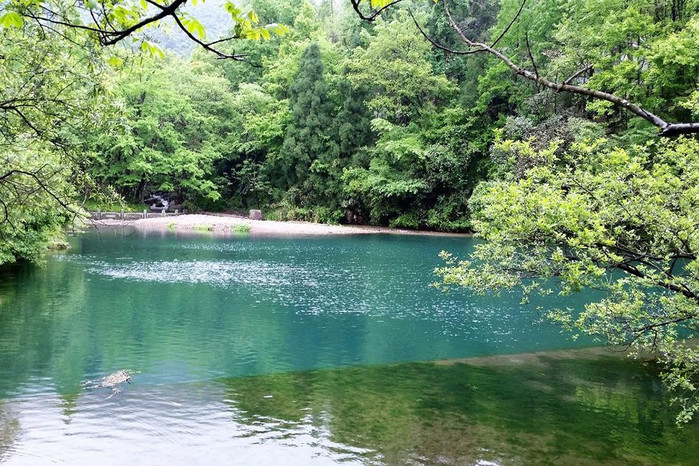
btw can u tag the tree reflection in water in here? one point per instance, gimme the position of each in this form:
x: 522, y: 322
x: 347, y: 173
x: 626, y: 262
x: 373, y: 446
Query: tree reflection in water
x: 566, y: 407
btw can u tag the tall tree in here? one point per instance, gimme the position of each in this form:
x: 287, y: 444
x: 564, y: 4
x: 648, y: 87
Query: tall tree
x: 307, y: 148
x: 415, y: 177
x: 260, y: 121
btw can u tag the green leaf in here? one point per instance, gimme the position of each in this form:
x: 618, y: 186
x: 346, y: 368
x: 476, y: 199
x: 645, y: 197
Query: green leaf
x: 152, y: 48
x: 233, y: 10
x: 11, y: 19
x: 194, y: 27
x: 252, y: 16
x: 115, y: 62
x: 278, y: 29
x: 380, y: 3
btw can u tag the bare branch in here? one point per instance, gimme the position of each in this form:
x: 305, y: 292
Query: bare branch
x: 666, y: 128
x: 456, y: 27
x: 25, y: 119
x: 208, y: 46
x: 675, y: 129
x: 438, y: 45
x: 578, y: 73
x: 6, y: 213
x: 531, y: 57
x: 655, y: 325
x: 683, y: 290
x: 375, y: 13
x: 512, y: 22
x: 219, y: 41
x: 205, y: 45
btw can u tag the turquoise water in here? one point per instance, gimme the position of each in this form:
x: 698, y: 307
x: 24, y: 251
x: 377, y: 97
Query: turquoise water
x: 301, y: 350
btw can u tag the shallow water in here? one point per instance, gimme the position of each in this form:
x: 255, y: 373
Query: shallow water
x: 302, y: 351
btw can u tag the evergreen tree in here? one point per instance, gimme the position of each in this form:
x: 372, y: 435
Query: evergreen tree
x: 353, y: 121
x: 307, y: 145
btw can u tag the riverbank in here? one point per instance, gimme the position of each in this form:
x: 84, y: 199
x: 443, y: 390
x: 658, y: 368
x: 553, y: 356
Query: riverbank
x: 228, y: 224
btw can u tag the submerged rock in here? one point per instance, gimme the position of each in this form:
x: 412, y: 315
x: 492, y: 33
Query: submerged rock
x: 57, y: 245
x: 113, y: 381
x: 116, y: 378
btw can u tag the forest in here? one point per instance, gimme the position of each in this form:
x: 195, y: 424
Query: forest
x: 561, y: 131
x: 338, y: 120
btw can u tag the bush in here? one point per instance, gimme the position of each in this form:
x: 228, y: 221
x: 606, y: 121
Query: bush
x: 409, y: 220
x: 317, y: 214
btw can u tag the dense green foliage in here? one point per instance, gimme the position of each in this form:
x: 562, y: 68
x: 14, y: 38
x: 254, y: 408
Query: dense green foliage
x: 50, y: 95
x: 574, y: 218
x: 567, y: 210
x: 167, y: 137
x: 344, y: 120
x: 338, y: 121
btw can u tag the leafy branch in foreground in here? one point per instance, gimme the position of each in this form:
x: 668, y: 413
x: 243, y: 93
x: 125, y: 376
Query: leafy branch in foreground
x: 621, y: 221
x: 376, y: 7
x: 50, y: 97
x: 112, y: 22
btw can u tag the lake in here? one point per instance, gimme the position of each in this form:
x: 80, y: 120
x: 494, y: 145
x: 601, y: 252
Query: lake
x: 311, y: 350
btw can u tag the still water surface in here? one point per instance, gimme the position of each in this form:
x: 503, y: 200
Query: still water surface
x: 302, y: 351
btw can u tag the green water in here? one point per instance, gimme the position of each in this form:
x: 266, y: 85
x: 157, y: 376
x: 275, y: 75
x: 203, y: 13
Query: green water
x: 303, y: 351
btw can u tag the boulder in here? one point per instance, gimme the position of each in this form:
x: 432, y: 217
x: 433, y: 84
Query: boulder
x: 256, y: 214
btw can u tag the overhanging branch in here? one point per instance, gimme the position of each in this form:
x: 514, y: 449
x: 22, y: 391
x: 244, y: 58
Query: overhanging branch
x: 42, y: 185
x: 437, y: 44
x: 666, y: 128
x: 208, y: 46
x: 109, y: 33
x: 578, y: 73
x: 374, y: 13
x: 106, y: 34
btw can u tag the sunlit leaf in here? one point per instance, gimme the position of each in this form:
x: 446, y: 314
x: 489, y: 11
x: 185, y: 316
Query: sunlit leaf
x: 194, y: 27
x: 11, y: 19
x: 115, y: 62
x: 152, y: 48
x: 233, y: 10
x: 252, y: 16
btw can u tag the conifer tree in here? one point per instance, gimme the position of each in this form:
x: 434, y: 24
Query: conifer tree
x: 353, y: 119
x: 307, y: 144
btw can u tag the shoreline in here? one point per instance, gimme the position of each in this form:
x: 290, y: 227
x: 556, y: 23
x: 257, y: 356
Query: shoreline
x: 223, y: 225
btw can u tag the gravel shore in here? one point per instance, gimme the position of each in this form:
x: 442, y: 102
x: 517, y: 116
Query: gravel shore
x: 225, y: 225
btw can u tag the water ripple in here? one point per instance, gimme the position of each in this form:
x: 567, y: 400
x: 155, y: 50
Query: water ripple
x: 222, y: 273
